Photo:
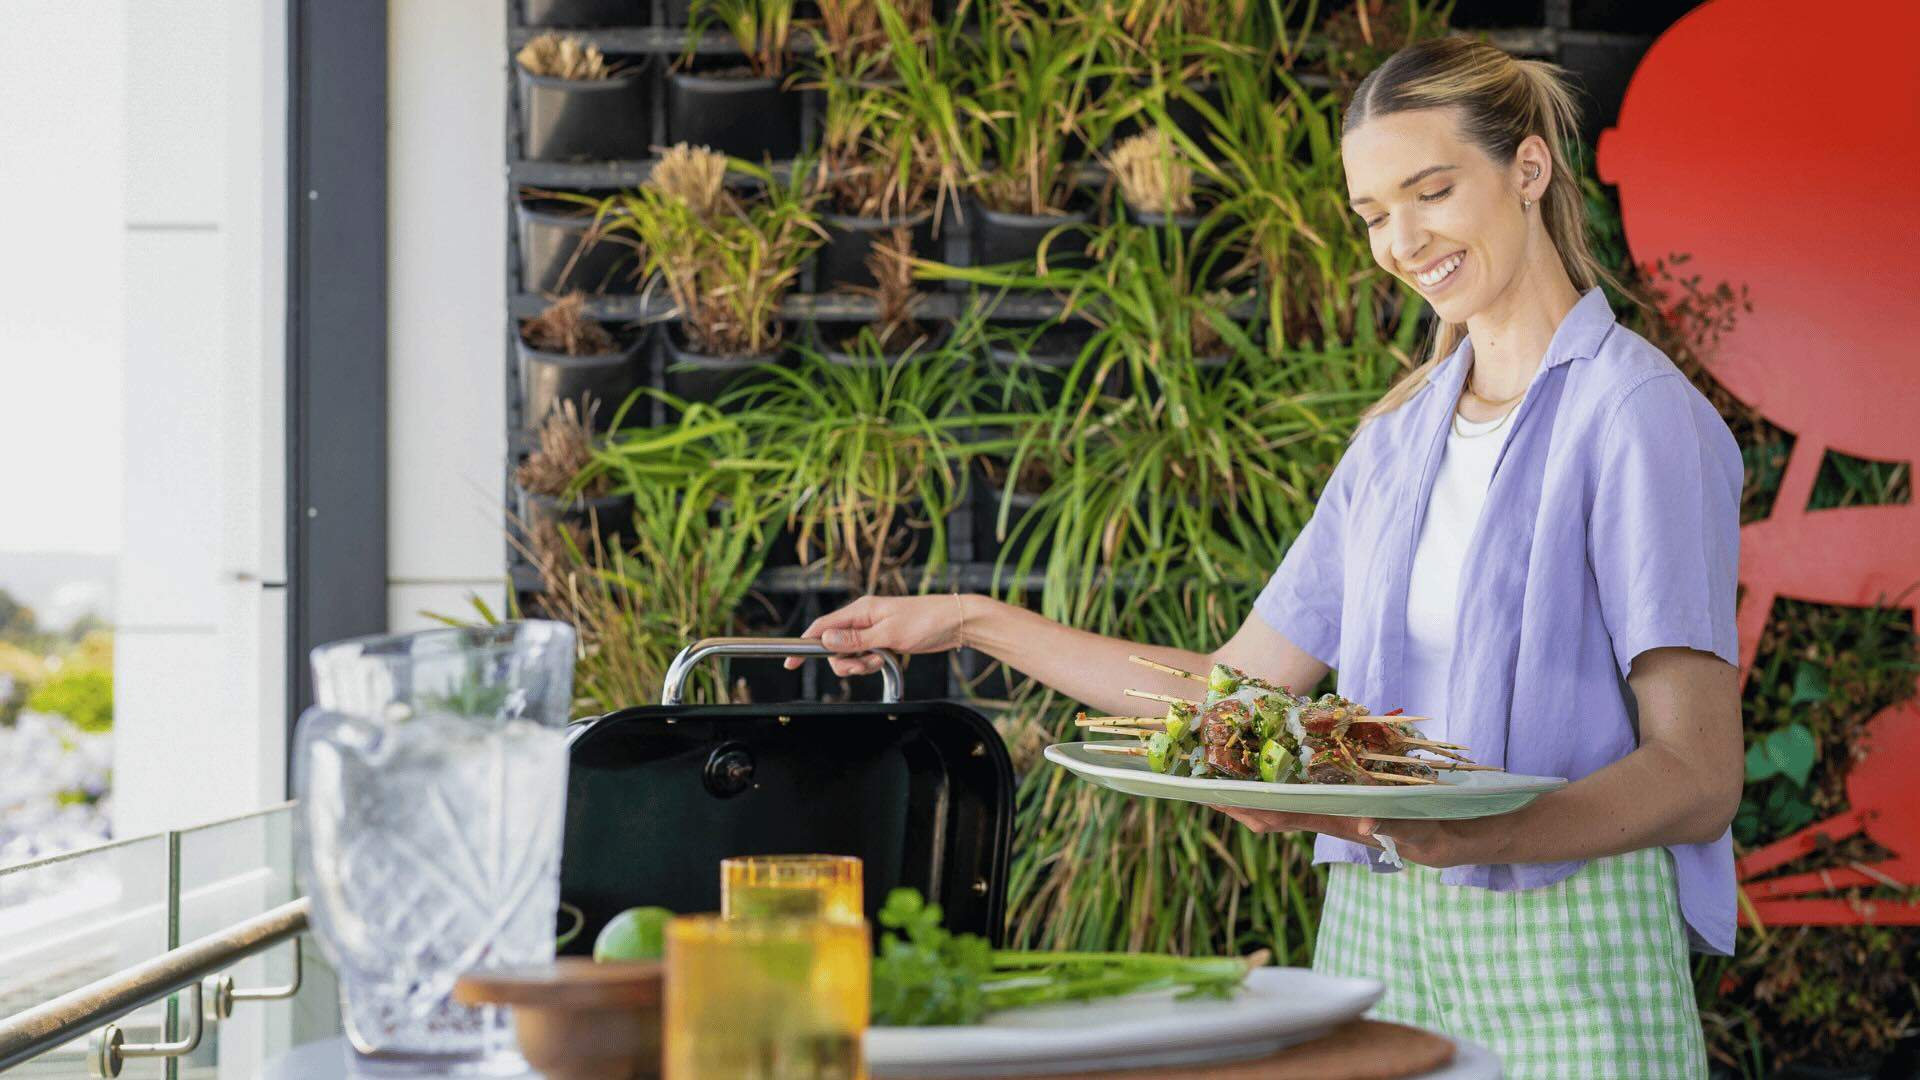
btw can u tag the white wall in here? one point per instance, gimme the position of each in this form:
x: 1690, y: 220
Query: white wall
x: 201, y: 666
x: 446, y: 266
x: 199, y: 672
x: 62, y: 136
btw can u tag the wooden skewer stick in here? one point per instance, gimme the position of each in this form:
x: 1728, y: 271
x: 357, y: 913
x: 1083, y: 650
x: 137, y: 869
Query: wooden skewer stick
x: 1441, y: 750
x: 1393, y: 778
x: 1142, y: 732
x: 1131, y: 749
x: 1168, y: 698
x: 1433, y: 743
x: 1083, y: 720
x: 1158, y: 666
x: 1464, y: 765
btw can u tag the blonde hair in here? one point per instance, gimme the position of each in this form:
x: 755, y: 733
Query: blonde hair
x: 1501, y: 100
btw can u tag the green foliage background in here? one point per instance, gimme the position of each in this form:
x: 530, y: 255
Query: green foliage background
x: 1168, y: 504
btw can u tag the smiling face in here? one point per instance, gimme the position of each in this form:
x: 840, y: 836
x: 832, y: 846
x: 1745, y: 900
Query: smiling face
x: 1439, y: 213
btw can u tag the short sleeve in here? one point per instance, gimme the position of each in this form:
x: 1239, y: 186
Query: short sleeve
x: 1302, y: 599
x: 1664, y: 533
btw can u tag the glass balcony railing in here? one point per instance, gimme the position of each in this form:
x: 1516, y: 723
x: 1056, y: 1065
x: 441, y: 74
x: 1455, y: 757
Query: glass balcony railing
x: 84, y: 933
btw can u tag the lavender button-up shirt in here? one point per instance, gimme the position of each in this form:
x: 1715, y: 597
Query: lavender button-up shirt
x: 1611, y: 527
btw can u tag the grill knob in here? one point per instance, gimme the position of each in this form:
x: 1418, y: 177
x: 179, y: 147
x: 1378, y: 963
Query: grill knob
x: 729, y: 771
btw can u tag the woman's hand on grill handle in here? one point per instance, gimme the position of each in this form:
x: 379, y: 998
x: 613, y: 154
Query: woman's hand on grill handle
x: 901, y: 624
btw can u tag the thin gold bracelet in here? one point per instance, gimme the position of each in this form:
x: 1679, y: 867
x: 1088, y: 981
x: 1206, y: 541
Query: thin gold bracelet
x: 961, y: 630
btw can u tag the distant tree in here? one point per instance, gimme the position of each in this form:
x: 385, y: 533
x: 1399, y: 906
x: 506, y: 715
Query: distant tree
x: 89, y: 623
x: 17, y: 621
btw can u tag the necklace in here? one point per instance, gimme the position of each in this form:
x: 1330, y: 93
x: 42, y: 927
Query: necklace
x: 1502, y: 422
x: 1478, y: 396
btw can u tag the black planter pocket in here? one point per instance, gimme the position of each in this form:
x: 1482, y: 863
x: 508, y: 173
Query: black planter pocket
x: 1189, y: 120
x: 1035, y: 370
x: 842, y: 259
x: 1184, y: 224
x: 997, y: 237
x: 587, y: 120
x: 1023, y: 524
x: 742, y: 115
x: 597, y: 385
x: 558, y: 252
x: 838, y: 343
x: 612, y: 513
x: 693, y: 376
x: 572, y: 13
x: 1210, y: 260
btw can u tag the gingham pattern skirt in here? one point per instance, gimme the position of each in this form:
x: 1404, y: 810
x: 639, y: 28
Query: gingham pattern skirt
x: 1587, y: 977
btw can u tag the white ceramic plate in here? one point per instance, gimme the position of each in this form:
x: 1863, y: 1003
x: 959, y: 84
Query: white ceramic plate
x: 1274, y: 1009
x: 1457, y: 795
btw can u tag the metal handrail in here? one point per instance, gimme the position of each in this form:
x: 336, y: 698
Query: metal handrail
x: 29, y: 1034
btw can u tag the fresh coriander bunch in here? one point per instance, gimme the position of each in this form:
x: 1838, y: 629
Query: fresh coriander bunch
x: 926, y: 975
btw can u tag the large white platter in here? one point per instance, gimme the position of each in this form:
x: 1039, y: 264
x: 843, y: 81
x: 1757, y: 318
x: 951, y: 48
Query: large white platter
x: 1276, y: 1008
x: 1457, y: 795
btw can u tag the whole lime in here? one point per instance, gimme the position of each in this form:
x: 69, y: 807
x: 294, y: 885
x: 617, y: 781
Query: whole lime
x: 635, y: 934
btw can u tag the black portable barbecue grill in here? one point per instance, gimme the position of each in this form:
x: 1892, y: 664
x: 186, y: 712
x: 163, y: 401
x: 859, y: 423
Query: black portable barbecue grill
x: 921, y: 791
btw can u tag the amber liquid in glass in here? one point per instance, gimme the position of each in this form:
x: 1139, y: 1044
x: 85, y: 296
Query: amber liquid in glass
x: 825, y: 886
x: 766, y: 999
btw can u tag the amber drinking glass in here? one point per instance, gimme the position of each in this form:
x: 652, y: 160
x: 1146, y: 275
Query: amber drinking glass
x: 759, y: 886
x: 766, y: 998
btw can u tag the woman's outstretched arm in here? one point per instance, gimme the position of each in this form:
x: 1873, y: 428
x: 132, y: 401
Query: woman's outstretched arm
x: 1087, y: 667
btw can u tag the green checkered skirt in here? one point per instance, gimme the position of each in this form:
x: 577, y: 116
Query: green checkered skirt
x: 1587, y: 977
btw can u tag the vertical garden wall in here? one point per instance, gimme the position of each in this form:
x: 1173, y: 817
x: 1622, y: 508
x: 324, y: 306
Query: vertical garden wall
x: 1057, y: 300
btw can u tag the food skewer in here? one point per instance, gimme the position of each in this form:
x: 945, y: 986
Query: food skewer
x: 1131, y: 749
x: 1083, y: 720
x: 1248, y: 728
x: 1168, y: 698
x: 1434, y: 744
x: 1396, y: 778
x: 1158, y: 666
x: 1460, y: 765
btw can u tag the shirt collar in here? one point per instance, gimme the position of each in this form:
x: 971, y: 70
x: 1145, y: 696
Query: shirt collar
x: 1584, y: 328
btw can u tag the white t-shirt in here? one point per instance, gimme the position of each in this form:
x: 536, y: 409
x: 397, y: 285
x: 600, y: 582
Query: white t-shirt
x: 1433, y: 593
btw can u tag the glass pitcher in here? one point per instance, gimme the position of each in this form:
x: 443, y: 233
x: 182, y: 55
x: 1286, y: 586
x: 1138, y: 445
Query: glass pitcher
x: 432, y: 778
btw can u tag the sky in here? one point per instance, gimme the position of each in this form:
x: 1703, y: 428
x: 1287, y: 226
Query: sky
x: 62, y: 152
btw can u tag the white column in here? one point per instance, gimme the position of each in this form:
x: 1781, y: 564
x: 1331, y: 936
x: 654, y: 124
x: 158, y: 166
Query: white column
x: 199, y: 669
x: 446, y: 263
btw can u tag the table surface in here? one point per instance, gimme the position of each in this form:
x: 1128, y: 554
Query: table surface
x: 327, y: 1060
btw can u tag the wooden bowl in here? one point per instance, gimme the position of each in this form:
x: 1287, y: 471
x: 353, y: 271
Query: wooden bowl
x: 577, y: 1019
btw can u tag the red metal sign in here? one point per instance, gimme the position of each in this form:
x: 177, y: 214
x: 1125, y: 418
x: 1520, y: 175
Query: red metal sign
x: 1780, y: 148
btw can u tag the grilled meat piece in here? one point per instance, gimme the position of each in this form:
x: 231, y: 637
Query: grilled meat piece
x: 1238, y: 762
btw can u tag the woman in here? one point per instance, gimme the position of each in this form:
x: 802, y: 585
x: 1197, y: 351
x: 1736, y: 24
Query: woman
x: 1532, y: 539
